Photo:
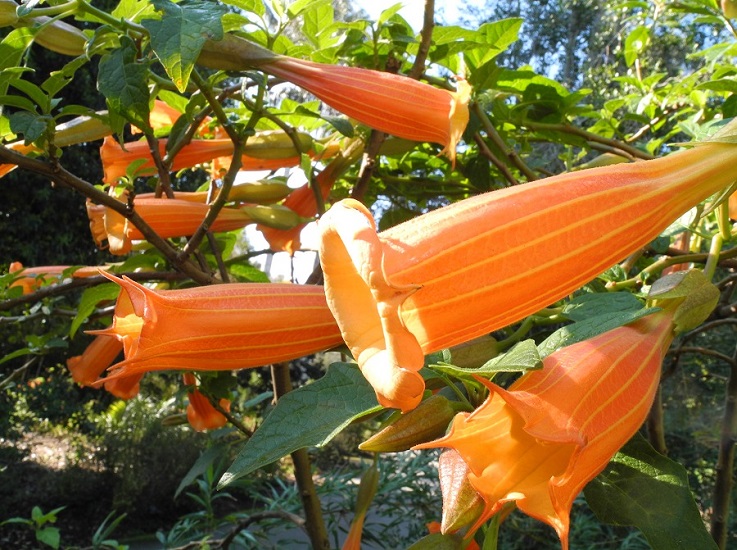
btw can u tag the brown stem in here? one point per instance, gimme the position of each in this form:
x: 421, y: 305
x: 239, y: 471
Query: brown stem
x: 303, y: 471
x: 428, y: 22
x: 62, y: 288
x: 655, y: 427
x: 725, y: 462
x: 494, y: 159
x: 497, y: 140
x: 60, y: 175
x: 568, y: 129
x: 215, y: 402
x: 217, y: 205
x: 162, y: 167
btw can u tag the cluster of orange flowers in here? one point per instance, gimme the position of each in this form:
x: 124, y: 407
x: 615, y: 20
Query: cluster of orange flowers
x: 436, y: 281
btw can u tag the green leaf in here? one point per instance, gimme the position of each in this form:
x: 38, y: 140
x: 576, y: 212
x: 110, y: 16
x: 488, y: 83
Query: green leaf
x: 177, y: 38
x: 644, y: 489
x: 522, y: 357
x: 251, y: 6
x: 34, y: 92
x: 635, y: 44
x: 317, y: 22
x: 247, y: 272
x: 12, y: 48
x: 59, y: 79
x: 308, y: 416
x: 31, y: 125
x: 588, y: 328
x: 124, y: 83
x: 590, y: 305
x: 17, y: 353
x: 201, y: 465
x: 49, y: 536
x: 89, y: 300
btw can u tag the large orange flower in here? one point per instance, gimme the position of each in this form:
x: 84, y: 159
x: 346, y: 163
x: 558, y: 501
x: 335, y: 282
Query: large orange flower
x: 228, y: 326
x: 480, y: 264
x: 392, y: 103
x: 268, y: 151
x: 539, y: 442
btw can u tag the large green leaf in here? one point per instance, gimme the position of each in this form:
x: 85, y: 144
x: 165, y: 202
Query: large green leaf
x: 308, y: 416
x: 177, y: 38
x: 124, y: 83
x: 644, y: 489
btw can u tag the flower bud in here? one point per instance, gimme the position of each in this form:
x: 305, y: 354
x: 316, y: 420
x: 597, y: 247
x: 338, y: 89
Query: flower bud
x: 428, y: 421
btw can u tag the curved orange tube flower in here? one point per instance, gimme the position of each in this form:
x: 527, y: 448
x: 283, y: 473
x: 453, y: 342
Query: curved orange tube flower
x: 278, y: 152
x: 168, y: 217
x: 391, y: 103
x: 33, y: 278
x: 480, y: 264
x: 220, y: 327
x: 542, y: 440
x: 200, y: 412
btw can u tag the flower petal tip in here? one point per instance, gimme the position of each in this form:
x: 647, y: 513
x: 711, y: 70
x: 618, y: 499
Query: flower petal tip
x: 395, y: 387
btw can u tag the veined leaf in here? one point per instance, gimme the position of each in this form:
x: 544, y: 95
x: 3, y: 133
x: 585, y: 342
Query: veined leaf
x: 89, y: 300
x: 308, y: 416
x: 124, y: 83
x: 649, y: 491
x: 177, y: 38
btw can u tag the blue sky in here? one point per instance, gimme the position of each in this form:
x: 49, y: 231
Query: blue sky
x: 412, y: 10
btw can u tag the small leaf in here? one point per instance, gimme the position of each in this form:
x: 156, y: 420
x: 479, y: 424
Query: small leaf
x: 89, y: 300
x: 177, y: 38
x: 522, y: 357
x: 644, y: 489
x: 31, y: 125
x: 49, y: 536
x: 308, y: 416
x: 635, y: 44
x: 124, y: 83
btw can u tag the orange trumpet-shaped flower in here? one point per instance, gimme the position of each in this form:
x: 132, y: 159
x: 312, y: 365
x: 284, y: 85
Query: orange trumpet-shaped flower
x: 200, y: 412
x: 168, y: 217
x: 228, y: 326
x: 480, y: 264
x: 266, y: 151
x: 391, y: 103
x: 542, y: 440
x: 33, y: 278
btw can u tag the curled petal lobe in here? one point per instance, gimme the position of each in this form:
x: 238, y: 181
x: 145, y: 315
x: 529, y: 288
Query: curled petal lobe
x: 480, y: 264
x: 367, y: 306
x: 98, y: 356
